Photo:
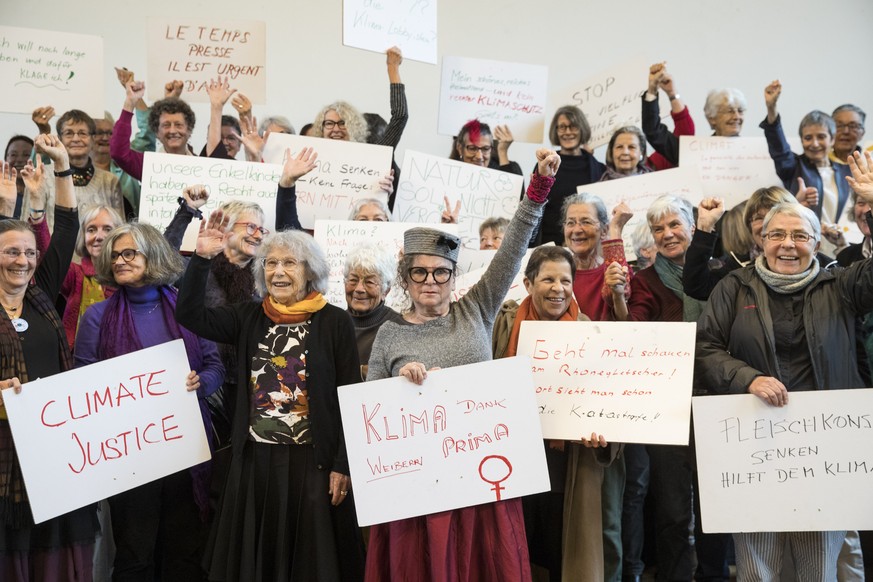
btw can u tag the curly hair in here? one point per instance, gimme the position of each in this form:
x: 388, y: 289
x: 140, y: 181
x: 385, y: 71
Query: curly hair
x: 304, y: 248
x: 171, y: 105
x: 356, y: 125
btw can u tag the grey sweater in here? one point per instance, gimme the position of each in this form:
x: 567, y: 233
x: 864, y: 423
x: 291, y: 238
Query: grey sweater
x: 463, y: 336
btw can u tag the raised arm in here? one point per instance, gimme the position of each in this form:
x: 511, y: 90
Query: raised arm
x: 286, y: 199
x: 658, y: 134
x: 399, y: 111
x: 127, y: 159
x: 219, y: 92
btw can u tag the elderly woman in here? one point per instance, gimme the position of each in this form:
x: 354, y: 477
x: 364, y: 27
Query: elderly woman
x: 368, y: 273
x: 286, y: 511
x: 370, y: 210
x: 625, y: 154
x: 810, y: 312
x: 474, y: 144
x: 485, y: 542
x: 139, y: 262
x: 33, y: 345
x: 491, y: 233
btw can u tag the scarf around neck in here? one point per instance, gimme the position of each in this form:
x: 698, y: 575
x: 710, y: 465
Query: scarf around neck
x: 671, y: 276
x: 526, y: 312
x: 786, y: 284
x: 300, y: 311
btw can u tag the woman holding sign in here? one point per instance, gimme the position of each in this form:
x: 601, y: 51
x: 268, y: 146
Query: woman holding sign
x: 480, y: 543
x: 778, y: 327
x: 33, y: 345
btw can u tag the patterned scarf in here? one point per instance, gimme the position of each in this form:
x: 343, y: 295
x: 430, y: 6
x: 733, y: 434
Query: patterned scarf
x: 786, y: 284
x: 300, y: 311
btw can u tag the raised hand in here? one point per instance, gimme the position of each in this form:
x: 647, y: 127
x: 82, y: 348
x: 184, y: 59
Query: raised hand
x: 709, y: 211
x: 51, y: 146
x: 861, y: 179
x: 219, y: 91
x: 548, y: 162
x: 196, y: 195
x: 621, y: 214
x: 252, y: 141
x: 124, y: 76
x: 450, y: 216
x: 386, y: 183
x: 393, y: 58
x: 656, y: 73
x: 771, y: 96
x: 297, y: 166
x: 242, y: 104
x: 134, y: 92
x: 8, y: 188
x: 41, y: 116
x: 806, y: 195
x: 212, y: 237
x: 33, y: 175
x: 173, y: 89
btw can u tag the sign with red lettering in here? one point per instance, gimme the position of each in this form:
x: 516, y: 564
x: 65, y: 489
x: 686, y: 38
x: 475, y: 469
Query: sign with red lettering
x: 468, y: 435
x: 344, y: 173
x: 93, y: 432
x: 196, y: 50
x: 629, y: 381
x: 805, y: 466
x: 496, y: 93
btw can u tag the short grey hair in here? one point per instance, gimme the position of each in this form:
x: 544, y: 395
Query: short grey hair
x: 641, y: 238
x: 796, y: 210
x: 669, y: 204
x: 163, y: 266
x: 233, y: 209
x: 356, y: 125
x: 816, y: 117
x: 366, y: 202
x: 853, y: 109
x: 89, y: 213
x: 279, y: 120
x: 304, y: 248
x: 496, y: 223
x: 584, y: 198
x: 718, y: 97
x: 370, y: 258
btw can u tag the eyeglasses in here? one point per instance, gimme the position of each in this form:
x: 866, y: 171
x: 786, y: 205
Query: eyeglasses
x: 853, y: 127
x: 103, y: 133
x: 271, y: 264
x: 69, y: 134
x: 471, y: 149
x: 13, y: 254
x: 127, y: 254
x: 369, y: 283
x: 252, y: 228
x: 797, y: 236
x: 330, y: 124
x: 440, y: 275
x: 566, y: 127
x: 731, y: 111
x: 585, y: 223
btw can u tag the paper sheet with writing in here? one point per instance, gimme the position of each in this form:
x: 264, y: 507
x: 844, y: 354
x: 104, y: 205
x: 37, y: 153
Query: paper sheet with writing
x: 468, y: 435
x: 376, y: 25
x: 629, y: 381
x: 806, y: 466
x: 90, y: 433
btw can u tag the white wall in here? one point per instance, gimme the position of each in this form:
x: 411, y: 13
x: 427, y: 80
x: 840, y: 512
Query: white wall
x: 822, y: 55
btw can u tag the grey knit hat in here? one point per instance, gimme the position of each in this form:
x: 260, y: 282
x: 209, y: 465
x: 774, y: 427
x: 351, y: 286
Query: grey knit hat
x: 430, y: 241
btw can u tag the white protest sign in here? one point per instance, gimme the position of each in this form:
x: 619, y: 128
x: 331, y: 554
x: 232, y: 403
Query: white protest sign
x: 344, y: 173
x: 426, y: 180
x: 376, y: 25
x: 610, y: 99
x: 806, y: 466
x: 629, y: 381
x: 641, y: 190
x: 496, y: 93
x: 197, y: 50
x: 474, y: 259
x: 339, y: 237
x: 516, y: 291
x: 90, y: 433
x: 164, y: 176
x: 468, y: 435
x: 46, y: 67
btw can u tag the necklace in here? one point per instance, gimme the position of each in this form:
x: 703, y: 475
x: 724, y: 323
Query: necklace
x: 149, y: 312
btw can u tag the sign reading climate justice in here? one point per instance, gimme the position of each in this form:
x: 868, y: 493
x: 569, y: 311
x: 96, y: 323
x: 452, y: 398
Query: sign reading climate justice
x: 629, y: 381
x: 805, y: 466
x: 468, y: 435
x: 197, y: 50
x: 92, y: 432
x: 46, y: 67
x: 376, y: 25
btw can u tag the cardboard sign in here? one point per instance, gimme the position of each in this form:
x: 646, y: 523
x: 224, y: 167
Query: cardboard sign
x: 375, y: 25
x: 338, y: 237
x: 164, y: 176
x: 468, y: 435
x: 640, y: 191
x: 46, y: 67
x: 344, y: 173
x: 426, y: 180
x: 90, y: 433
x: 629, y: 381
x: 197, y: 50
x: 496, y: 93
x: 805, y: 466
x: 610, y: 99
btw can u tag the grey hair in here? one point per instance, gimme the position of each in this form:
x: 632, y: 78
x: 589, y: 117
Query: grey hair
x: 853, y: 109
x: 88, y: 214
x: 718, y: 97
x: 669, y: 204
x: 233, y: 209
x: 816, y: 117
x: 304, y: 248
x: 584, y: 198
x: 403, y: 265
x: 163, y: 266
x: 356, y: 125
x: 496, y: 223
x: 798, y: 211
x: 367, y: 201
x: 641, y: 238
x: 279, y: 120
x: 370, y: 258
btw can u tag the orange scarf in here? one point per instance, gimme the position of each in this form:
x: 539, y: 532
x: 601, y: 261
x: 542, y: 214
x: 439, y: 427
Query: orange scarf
x: 526, y: 312
x: 300, y: 311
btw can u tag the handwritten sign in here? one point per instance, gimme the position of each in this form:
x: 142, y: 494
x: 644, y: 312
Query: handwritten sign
x: 164, y: 176
x: 375, y: 25
x: 46, y: 67
x: 195, y: 51
x: 345, y: 172
x: 640, y: 191
x: 338, y: 237
x: 93, y: 432
x: 610, y: 99
x: 468, y: 435
x: 802, y: 467
x: 466, y: 280
x: 494, y: 92
x: 630, y: 382
x: 425, y: 180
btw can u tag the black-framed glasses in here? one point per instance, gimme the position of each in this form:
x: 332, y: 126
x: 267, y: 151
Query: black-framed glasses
x: 252, y: 228
x: 797, y: 236
x: 127, y: 254
x: 566, y: 127
x: 329, y: 124
x: 12, y: 254
x: 440, y: 275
